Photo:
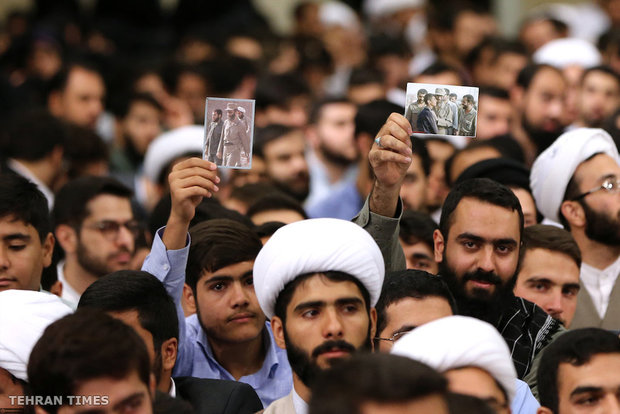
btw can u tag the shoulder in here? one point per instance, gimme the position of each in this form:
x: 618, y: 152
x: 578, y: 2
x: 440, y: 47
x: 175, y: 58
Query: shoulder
x: 213, y: 395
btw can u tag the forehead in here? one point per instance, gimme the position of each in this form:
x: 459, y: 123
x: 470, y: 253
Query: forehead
x: 548, y: 79
x: 593, y: 170
x: 109, y: 206
x: 601, y: 371
x: 80, y: 77
x: 484, y: 220
x: 286, y: 144
x: 556, y: 266
x: 10, y: 225
x: 596, y: 76
x: 319, y: 288
x: 416, y: 312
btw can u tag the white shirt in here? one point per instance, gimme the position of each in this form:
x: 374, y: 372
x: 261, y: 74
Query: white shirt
x: 173, y: 389
x: 69, y: 294
x: 301, y: 407
x: 599, y: 284
x: 26, y: 173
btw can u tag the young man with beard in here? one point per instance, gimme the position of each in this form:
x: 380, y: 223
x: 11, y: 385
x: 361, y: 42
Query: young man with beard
x: 318, y: 281
x: 478, y: 248
x: 96, y: 228
x: 414, y: 108
x: 575, y: 182
x: 141, y: 301
x: 443, y: 110
x: 333, y: 154
x: 539, y: 100
x: 598, y: 96
x: 467, y: 117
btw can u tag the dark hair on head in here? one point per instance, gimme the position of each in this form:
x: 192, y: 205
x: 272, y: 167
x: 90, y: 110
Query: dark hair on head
x: 503, y: 46
x: 370, y: 117
x: 374, y: 378
x: 219, y: 111
x: 84, y: 346
x: 529, y: 72
x: 286, y: 294
x: 381, y: 45
x: 607, y: 70
x: 440, y: 67
x: 410, y: 283
x: 419, y: 148
x: 251, y: 192
x: 32, y: 135
x: 494, y: 92
x: 317, y: 109
x: 428, y: 97
x: 70, y: 205
x: 22, y: 200
x: 275, y: 202
x: 269, y: 228
x: 541, y: 236
x: 416, y: 226
x: 84, y: 147
x: 469, y: 98
x: 364, y: 75
x: 480, y: 189
x: 58, y: 82
x: 575, y: 347
x: 268, y: 134
x: 219, y: 243
x: 128, y: 290
x: 452, y: 95
x: 143, y: 97
x: 467, y: 404
x: 278, y: 90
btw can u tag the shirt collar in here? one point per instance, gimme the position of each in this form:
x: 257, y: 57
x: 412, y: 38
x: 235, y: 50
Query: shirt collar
x: 301, y: 407
x: 173, y: 388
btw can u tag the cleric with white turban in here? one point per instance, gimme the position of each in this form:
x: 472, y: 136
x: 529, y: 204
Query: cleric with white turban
x: 24, y: 315
x: 555, y: 166
x: 316, y: 246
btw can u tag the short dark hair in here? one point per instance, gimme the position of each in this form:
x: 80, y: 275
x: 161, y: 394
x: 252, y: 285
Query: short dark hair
x: 219, y: 243
x: 250, y: 193
x: 494, y: 92
x: 428, y: 97
x: 441, y: 67
x: 416, y: 226
x: 317, y: 109
x: 410, y: 283
x: 70, y: 205
x: 371, y: 116
x: 33, y: 135
x: 467, y: 404
x: 542, y: 236
x: 575, y: 347
x: 276, y: 201
x: 219, y: 111
x: 268, y: 228
x: 279, y: 89
x: 59, y: 81
x: 285, y: 296
x: 128, y: 290
x: 603, y: 69
x: 452, y: 95
x: 84, y: 147
x: 365, y: 75
x: 424, y: 91
x: 144, y: 97
x: 83, y: 346
x: 21, y: 199
x: 529, y: 72
x: 469, y: 98
x: 268, y: 134
x: 381, y: 378
x: 481, y: 189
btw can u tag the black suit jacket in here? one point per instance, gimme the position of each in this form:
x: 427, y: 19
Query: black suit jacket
x: 211, y: 396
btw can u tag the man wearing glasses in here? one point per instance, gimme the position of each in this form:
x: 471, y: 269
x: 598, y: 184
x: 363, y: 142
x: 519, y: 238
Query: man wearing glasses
x: 96, y: 228
x: 575, y: 182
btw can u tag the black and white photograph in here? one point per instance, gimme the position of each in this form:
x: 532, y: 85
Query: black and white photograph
x: 229, y: 131
x: 442, y: 109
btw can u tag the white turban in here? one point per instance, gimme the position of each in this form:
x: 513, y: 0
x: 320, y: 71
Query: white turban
x: 379, y: 8
x: 568, y: 51
x: 555, y: 166
x: 314, y: 246
x: 169, y: 146
x: 338, y: 14
x: 458, y: 342
x: 24, y: 315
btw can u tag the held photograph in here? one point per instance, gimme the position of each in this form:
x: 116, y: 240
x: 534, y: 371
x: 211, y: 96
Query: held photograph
x: 229, y: 132
x: 442, y: 109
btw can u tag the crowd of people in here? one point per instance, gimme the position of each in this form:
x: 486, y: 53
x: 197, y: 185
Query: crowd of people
x: 357, y: 267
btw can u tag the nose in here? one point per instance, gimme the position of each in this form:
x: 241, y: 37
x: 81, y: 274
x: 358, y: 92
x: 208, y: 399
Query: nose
x: 239, y: 297
x: 486, y: 260
x: 611, y: 404
x: 556, y: 108
x: 333, y: 327
x: 5, y: 263
x: 554, y: 304
x: 125, y: 238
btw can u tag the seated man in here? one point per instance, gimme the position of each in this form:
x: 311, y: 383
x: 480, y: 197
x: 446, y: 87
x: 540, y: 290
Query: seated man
x: 404, y: 386
x: 141, y: 301
x: 579, y: 372
x: 90, y: 361
x: 549, y: 272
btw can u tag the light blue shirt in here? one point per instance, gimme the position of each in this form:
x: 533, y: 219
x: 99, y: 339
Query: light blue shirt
x: 195, y: 358
x: 524, y: 401
x: 343, y: 203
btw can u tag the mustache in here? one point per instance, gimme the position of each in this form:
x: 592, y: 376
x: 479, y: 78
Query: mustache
x: 245, y: 313
x: 329, y: 345
x: 481, y: 276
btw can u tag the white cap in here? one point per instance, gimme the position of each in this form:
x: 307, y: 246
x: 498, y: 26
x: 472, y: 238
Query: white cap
x: 241, y: 109
x: 336, y: 13
x: 24, y: 315
x: 566, y: 52
x: 555, y: 166
x: 171, y: 145
x: 380, y: 8
x: 458, y: 342
x: 316, y: 246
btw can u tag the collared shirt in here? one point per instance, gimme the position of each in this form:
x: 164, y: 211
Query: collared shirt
x: 19, y: 168
x: 301, y: 407
x: 343, y: 203
x: 320, y: 184
x: 195, y: 357
x: 69, y: 294
x: 599, y: 284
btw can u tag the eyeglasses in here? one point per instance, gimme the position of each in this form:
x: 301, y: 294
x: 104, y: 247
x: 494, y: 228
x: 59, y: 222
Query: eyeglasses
x: 397, y: 335
x: 110, y: 229
x: 611, y: 185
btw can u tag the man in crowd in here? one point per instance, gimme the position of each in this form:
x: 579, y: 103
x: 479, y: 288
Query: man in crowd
x: 549, y: 271
x: 96, y: 228
x: 451, y: 100
x: 214, y: 137
x: 467, y: 117
x: 579, y: 373
x: 443, y: 110
x: 495, y: 113
x: 575, y: 182
x: 416, y: 107
x: 427, y: 120
x: 598, y: 96
x: 416, y: 239
x: 234, y: 139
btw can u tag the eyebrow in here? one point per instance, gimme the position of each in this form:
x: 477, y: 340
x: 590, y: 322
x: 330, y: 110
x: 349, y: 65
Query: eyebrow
x: 404, y: 328
x: 139, y: 394
x: 421, y: 256
x: 536, y: 279
x: 322, y: 303
x: 584, y: 389
x: 227, y: 278
x: 473, y: 237
x: 17, y: 236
